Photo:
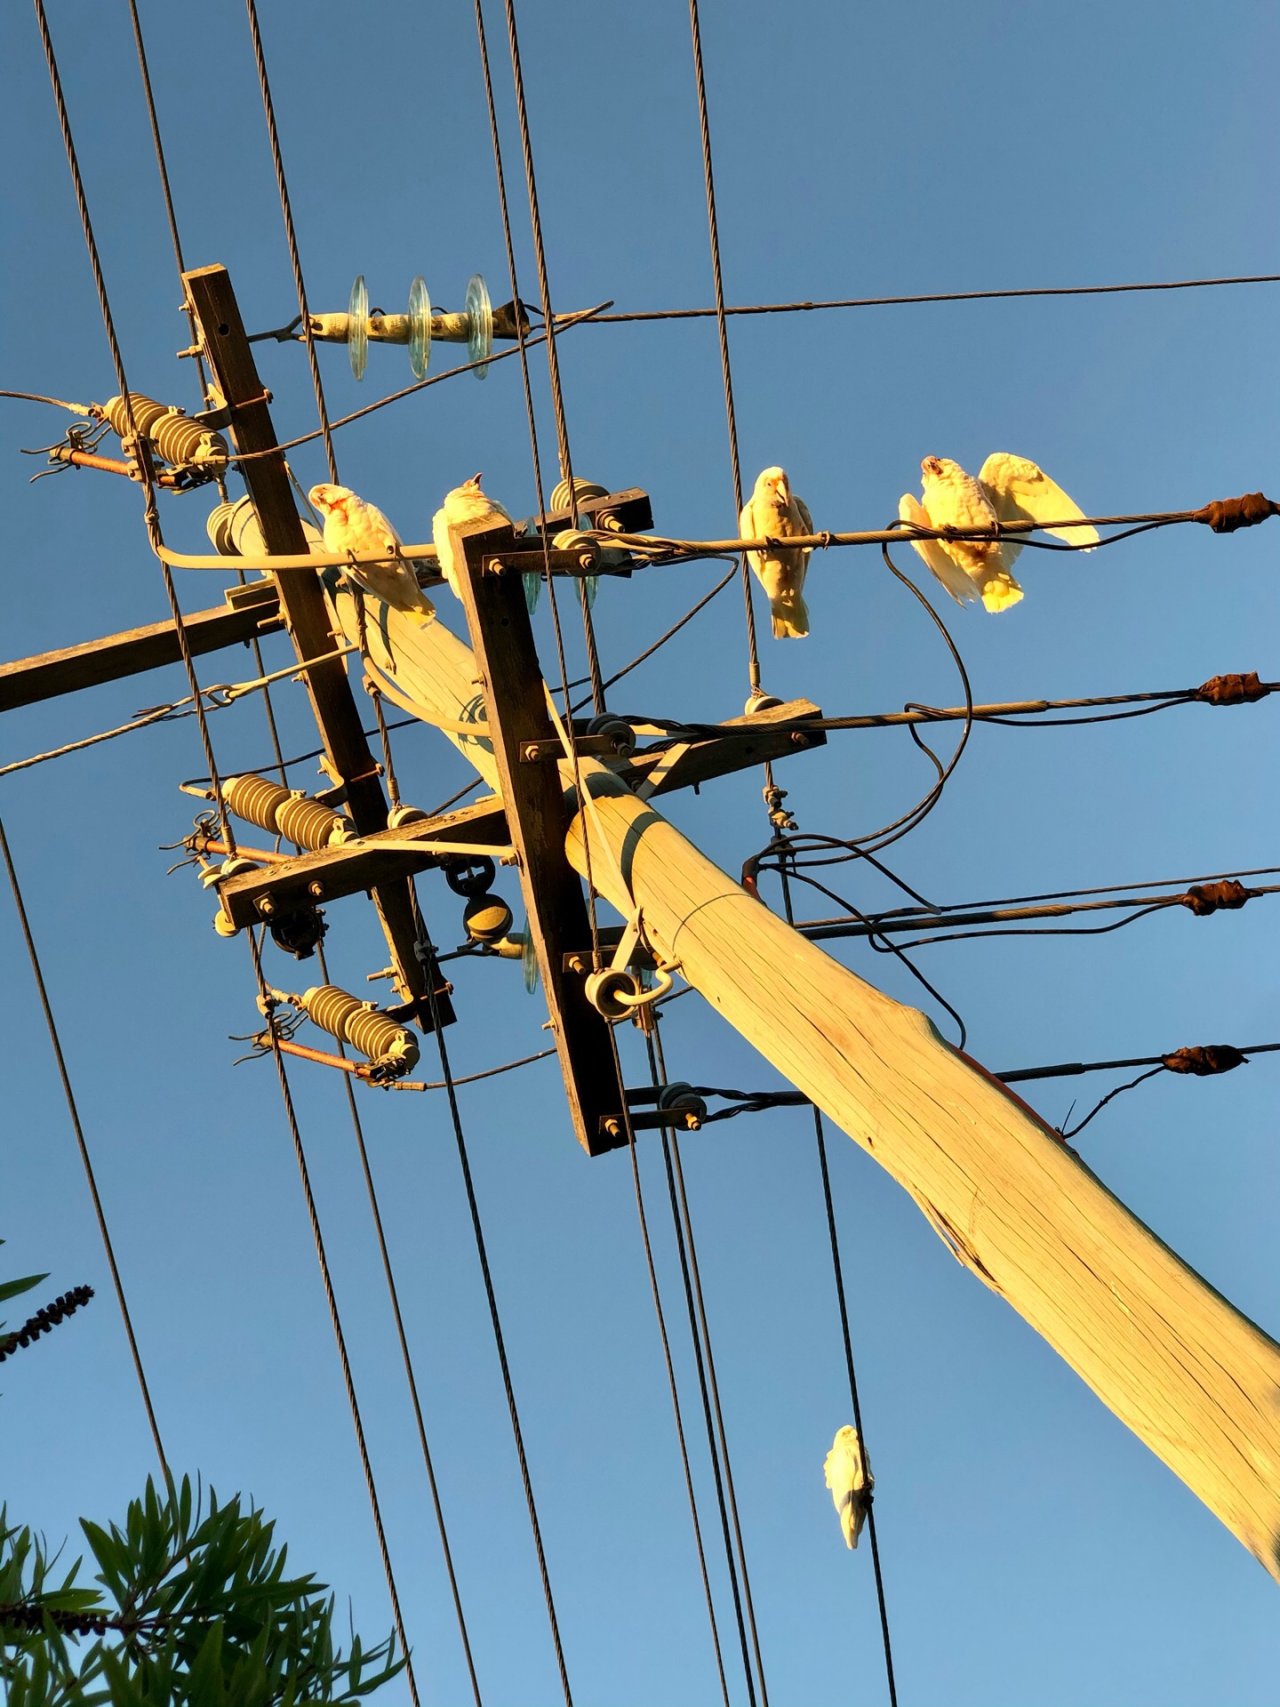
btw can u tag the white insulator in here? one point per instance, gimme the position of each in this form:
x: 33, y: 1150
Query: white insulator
x: 608, y: 992
x: 760, y: 701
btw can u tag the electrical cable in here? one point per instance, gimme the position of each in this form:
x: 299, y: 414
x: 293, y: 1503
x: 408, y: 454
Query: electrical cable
x: 553, y: 359
x: 499, y: 1342
x: 722, y: 330
x: 934, y: 296
x: 335, y: 1319
x: 151, y: 511
x: 670, y: 1368
x: 658, y: 1075
x: 99, y: 1211
x: 843, y: 1308
x: 291, y: 237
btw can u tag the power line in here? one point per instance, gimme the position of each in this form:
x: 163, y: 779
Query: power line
x: 656, y: 1293
x: 83, y: 1147
x: 495, y: 1321
x: 722, y: 331
x: 820, y: 1139
x: 697, y: 1334
x: 335, y: 1321
x: 931, y: 296
x: 1226, y: 893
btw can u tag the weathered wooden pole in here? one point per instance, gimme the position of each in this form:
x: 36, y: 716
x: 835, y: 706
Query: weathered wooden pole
x: 1179, y: 1365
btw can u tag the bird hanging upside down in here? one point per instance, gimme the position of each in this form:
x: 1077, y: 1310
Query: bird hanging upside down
x: 774, y: 512
x: 851, y: 1482
x: 352, y: 525
x: 1008, y: 488
x: 463, y: 505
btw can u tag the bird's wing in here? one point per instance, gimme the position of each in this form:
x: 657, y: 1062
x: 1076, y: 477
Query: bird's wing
x: 746, y: 522
x: 951, y: 575
x: 805, y: 517
x: 1020, y: 491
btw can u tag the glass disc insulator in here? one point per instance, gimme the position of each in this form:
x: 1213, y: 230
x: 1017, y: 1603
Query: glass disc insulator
x: 358, y: 327
x: 480, y: 318
x: 419, y: 328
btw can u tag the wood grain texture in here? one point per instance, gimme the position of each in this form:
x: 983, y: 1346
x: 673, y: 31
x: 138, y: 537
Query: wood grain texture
x: 45, y: 675
x: 307, y: 616
x: 1190, y: 1375
x: 1193, y: 1378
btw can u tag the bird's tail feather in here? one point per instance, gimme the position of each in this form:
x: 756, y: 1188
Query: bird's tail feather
x: 790, y: 618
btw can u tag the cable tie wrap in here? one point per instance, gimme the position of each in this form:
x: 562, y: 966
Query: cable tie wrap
x: 1225, y: 515
x: 1232, y: 690
x: 1205, y: 898
x: 1205, y: 1058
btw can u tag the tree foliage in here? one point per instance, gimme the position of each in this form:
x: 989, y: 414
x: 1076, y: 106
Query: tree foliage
x: 194, y: 1607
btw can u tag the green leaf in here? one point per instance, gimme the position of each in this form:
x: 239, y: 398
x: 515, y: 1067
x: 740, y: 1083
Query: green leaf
x: 11, y: 1288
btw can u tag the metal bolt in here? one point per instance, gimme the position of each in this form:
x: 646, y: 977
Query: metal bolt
x: 266, y: 906
x: 315, y: 889
x: 612, y: 1127
x: 531, y: 751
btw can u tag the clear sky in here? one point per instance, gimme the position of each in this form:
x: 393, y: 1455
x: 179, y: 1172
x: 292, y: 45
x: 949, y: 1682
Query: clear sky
x: 1033, y: 1550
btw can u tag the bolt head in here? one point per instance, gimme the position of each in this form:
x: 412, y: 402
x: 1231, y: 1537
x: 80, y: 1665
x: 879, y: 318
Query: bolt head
x: 315, y: 889
x: 266, y: 906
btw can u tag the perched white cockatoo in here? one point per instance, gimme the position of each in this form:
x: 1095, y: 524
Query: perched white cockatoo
x: 352, y: 525
x: 851, y: 1482
x: 774, y: 512
x: 1008, y: 488
x: 465, y: 504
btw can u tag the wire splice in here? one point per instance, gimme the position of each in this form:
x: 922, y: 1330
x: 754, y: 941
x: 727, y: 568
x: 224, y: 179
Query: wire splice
x: 1204, y: 898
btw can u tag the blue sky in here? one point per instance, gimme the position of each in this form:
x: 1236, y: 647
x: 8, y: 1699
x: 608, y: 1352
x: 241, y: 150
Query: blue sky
x: 1033, y: 1549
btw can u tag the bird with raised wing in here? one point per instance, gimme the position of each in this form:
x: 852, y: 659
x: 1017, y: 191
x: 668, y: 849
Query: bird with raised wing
x: 351, y: 524
x: 1008, y: 488
x: 851, y: 1482
x: 463, y: 505
x: 774, y: 512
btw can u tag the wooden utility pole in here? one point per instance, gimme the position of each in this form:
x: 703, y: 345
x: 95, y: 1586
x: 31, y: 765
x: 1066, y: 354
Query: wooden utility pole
x: 1186, y: 1371
x: 302, y: 604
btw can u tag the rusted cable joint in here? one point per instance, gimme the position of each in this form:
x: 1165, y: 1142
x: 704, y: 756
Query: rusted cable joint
x: 1225, y: 515
x: 1205, y: 1058
x: 1204, y: 898
x: 1232, y: 690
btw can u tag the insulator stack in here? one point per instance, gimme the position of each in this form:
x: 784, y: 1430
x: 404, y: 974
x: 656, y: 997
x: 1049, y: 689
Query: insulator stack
x: 297, y: 817
x: 235, y: 530
x: 184, y: 443
x: 386, y: 1045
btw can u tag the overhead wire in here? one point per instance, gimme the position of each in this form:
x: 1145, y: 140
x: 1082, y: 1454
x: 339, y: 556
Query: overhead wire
x: 495, y: 1322
x: 291, y: 235
x: 930, y: 296
x: 722, y: 331
x: 842, y: 1305
x: 553, y: 358
x: 86, y: 1162
x: 713, y: 1411
x: 335, y: 1319
x: 326, y: 431
x: 658, y: 1075
x: 151, y: 509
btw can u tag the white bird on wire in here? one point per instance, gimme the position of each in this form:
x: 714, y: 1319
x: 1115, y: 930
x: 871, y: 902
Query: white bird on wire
x: 851, y: 1482
x: 1008, y: 489
x: 463, y: 505
x: 350, y: 524
x: 774, y: 512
